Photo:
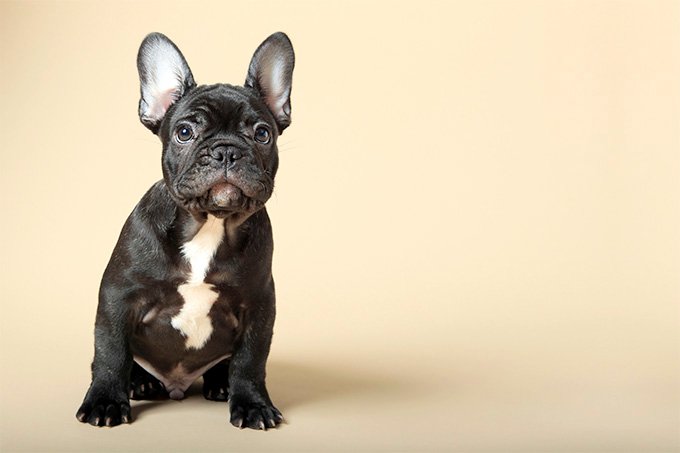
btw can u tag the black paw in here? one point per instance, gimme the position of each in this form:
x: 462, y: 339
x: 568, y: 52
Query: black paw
x: 104, y: 412
x: 146, y: 389
x: 143, y: 386
x: 254, y: 415
x: 214, y: 391
x: 216, y: 382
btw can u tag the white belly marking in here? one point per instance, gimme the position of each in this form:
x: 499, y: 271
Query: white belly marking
x: 193, y: 320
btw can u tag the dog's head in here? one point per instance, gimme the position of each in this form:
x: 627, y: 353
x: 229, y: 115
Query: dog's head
x: 219, y: 141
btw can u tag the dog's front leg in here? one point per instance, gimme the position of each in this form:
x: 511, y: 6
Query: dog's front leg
x: 106, y: 402
x: 249, y: 400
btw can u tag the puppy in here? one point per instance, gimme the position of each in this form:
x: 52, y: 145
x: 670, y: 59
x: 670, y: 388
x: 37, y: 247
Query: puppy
x: 188, y: 291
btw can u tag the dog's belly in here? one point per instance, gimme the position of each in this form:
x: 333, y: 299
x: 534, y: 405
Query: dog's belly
x: 178, y: 380
x: 177, y: 344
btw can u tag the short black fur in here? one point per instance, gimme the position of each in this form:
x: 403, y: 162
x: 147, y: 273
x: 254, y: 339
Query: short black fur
x: 222, y: 173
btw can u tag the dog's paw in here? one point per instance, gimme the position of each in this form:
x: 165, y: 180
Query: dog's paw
x: 104, y: 412
x: 254, y: 415
x: 214, y: 391
x: 144, y: 386
x: 216, y: 382
x: 146, y: 389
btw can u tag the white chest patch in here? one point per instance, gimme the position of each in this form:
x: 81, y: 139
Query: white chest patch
x: 193, y: 320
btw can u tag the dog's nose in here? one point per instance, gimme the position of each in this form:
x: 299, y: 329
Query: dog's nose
x: 226, y: 154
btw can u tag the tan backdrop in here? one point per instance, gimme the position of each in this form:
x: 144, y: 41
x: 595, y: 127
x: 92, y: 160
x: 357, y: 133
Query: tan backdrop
x: 476, y: 218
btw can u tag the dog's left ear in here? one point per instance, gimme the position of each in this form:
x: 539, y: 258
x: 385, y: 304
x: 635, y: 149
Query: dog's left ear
x: 271, y: 74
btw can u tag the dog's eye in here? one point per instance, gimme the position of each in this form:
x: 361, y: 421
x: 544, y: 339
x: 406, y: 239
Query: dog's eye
x: 262, y: 135
x: 184, y: 133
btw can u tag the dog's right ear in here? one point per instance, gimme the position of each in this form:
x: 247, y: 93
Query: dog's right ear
x: 164, y: 76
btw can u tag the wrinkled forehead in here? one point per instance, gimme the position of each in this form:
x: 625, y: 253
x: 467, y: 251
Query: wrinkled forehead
x: 222, y: 104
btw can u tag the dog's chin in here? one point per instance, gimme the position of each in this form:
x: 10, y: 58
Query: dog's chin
x: 225, y: 195
x: 225, y: 199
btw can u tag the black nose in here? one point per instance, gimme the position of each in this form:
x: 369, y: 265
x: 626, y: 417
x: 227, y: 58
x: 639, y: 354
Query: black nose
x: 226, y: 154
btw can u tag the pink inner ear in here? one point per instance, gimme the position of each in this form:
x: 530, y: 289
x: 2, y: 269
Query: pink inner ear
x: 276, y: 91
x: 162, y: 102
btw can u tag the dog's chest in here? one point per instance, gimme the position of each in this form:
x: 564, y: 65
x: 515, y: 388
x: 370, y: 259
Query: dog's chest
x: 193, y: 320
x: 192, y: 327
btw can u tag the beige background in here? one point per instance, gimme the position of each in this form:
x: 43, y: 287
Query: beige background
x: 477, y: 221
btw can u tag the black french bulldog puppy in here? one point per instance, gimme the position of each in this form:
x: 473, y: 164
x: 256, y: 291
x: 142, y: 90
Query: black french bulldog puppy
x: 188, y: 291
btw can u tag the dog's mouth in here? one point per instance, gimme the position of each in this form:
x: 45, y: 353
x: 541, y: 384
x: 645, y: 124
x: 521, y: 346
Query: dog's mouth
x: 223, y: 198
x: 225, y: 195
x: 226, y: 198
